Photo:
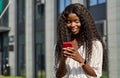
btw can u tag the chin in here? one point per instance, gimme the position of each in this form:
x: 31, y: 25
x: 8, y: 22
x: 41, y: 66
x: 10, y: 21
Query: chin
x: 75, y: 33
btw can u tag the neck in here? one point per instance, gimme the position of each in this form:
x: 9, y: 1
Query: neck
x: 77, y: 38
x: 77, y: 41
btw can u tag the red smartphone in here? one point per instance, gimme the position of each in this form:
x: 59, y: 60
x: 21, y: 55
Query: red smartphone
x: 67, y: 44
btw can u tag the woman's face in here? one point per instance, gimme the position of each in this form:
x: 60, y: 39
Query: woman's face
x: 73, y: 23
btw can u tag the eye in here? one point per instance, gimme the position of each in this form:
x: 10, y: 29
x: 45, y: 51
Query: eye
x: 77, y: 21
x: 68, y: 21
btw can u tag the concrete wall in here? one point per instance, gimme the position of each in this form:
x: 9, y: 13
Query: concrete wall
x: 113, y: 22
x: 29, y: 40
x: 50, y: 26
x: 12, y: 24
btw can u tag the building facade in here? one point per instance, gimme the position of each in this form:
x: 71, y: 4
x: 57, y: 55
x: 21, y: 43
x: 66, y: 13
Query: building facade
x: 28, y: 35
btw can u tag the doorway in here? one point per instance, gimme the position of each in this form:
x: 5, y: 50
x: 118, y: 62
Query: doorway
x: 3, y: 51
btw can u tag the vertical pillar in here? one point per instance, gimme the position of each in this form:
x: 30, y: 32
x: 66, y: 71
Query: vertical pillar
x: 50, y: 24
x: 113, y: 22
x: 29, y: 39
x: 13, y: 38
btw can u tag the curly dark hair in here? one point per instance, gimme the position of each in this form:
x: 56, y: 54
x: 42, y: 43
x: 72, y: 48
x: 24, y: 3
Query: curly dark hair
x: 88, y: 30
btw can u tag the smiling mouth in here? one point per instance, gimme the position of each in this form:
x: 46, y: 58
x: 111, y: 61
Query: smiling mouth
x: 74, y: 29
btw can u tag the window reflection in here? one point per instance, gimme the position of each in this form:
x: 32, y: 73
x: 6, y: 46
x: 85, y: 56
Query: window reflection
x: 93, y: 2
x: 101, y: 1
x: 39, y: 39
x: 63, y: 4
x: 96, y: 2
x: 4, y: 18
x: 21, y: 37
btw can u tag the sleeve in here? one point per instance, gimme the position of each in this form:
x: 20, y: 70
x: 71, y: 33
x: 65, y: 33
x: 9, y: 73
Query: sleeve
x: 97, y: 58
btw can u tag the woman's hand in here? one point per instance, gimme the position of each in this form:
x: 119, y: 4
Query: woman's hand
x: 72, y: 53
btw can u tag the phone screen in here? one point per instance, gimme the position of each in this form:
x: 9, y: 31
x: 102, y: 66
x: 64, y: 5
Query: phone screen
x: 67, y: 44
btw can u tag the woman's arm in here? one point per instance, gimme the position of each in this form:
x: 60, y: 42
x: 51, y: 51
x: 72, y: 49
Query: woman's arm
x: 89, y: 70
x: 61, y: 71
x: 74, y: 54
x: 95, y: 66
x: 86, y: 67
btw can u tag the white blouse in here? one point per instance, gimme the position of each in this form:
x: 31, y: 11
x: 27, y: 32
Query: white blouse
x: 74, y: 69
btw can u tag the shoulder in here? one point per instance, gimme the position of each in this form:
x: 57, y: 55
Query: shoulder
x: 97, y: 45
x: 97, y: 49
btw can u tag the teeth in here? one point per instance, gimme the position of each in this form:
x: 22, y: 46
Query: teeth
x: 74, y: 28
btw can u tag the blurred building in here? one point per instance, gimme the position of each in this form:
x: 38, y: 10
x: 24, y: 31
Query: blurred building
x: 28, y: 35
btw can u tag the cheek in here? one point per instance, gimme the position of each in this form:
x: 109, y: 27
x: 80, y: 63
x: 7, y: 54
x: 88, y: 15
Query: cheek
x: 68, y: 25
x: 79, y: 25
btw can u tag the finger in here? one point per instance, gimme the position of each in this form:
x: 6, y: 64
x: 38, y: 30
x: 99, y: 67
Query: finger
x: 67, y: 53
x: 72, y: 56
x: 69, y: 50
x: 73, y: 49
x: 64, y: 49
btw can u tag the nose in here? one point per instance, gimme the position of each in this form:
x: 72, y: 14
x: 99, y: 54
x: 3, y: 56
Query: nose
x: 72, y: 24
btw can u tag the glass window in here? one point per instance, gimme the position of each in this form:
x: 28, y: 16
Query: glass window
x: 40, y: 39
x: 93, y: 2
x: 21, y: 64
x: 67, y: 2
x: 63, y: 4
x: 41, y: 9
x: 40, y: 60
x: 3, y: 51
x: 101, y: 1
x: 96, y: 2
x: 102, y: 30
x: 4, y: 18
x: 21, y: 37
x: 1, y: 6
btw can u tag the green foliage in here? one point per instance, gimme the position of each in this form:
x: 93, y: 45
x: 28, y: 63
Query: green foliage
x: 11, y: 77
x: 105, y: 75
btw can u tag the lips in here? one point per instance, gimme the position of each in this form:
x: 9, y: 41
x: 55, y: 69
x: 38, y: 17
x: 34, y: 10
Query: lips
x: 74, y: 29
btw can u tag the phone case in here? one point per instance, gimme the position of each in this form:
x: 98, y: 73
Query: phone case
x: 67, y: 44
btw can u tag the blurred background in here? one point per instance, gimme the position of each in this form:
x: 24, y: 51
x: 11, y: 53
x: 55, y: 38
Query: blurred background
x: 28, y: 36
